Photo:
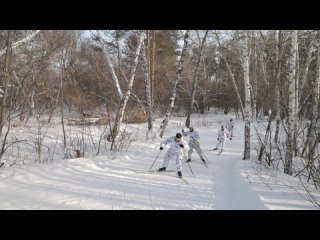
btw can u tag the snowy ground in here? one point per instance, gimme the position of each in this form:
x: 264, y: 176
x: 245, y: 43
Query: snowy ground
x: 103, y: 182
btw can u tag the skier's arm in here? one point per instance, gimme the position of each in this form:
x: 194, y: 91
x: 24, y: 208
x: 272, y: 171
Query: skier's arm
x: 165, y: 142
x: 186, y: 146
x: 196, y: 136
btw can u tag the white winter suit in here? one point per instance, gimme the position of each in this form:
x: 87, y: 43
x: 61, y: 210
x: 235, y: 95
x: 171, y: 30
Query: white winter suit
x: 193, y: 143
x: 222, y: 136
x: 230, y: 125
x: 175, y: 151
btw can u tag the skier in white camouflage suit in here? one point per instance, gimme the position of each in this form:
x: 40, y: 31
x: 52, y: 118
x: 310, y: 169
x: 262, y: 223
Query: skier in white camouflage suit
x: 193, y: 143
x: 177, y: 145
x: 222, y: 136
x: 230, y: 125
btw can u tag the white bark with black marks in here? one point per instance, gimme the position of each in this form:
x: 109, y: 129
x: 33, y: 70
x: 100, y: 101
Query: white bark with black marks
x: 291, y: 104
x: 277, y: 81
x: 195, y: 80
x: 125, y: 96
x: 165, y: 121
x: 247, y: 88
x: 233, y: 81
x: 113, y: 73
x: 254, y: 80
x: 150, y: 132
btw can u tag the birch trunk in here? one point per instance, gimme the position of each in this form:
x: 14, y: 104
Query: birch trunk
x: 247, y: 116
x: 291, y: 104
x: 277, y: 83
x: 123, y: 97
x: 195, y: 81
x: 118, y: 53
x: 234, y: 85
x: 147, y: 80
x: 152, y: 54
x: 109, y: 62
x: 254, y: 80
x: 165, y: 121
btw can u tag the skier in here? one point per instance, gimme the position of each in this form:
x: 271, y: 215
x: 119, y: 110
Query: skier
x: 222, y: 136
x: 230, y: 125
x: 177, y: 145
x: 193, y: 143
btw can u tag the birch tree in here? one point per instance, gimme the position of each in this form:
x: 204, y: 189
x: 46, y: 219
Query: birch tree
x: 247, y: 88
x: 254, y: 76
x: 124, y: 97
x: 195, y: 79
x: 233, y: 81
x: 277, y: 82
x: 150, y: 59
x: 291, y: 104
x: 165, y: 121
x: 151, y: 134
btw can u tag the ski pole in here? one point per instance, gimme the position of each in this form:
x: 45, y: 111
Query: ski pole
x: 188, y: 164
x: 204, y: 154
x: 155, y: 160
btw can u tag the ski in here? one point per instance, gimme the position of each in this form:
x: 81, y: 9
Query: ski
x: 196, y: 161
x: 219, y: 153
x: 205, y: 163
x: 183, y: 180
x: 153, y: 171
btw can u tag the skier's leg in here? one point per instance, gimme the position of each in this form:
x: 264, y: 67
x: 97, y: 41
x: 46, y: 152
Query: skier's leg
x: 222, y: 143
x: 197, y: 147
x: 166, y: 159
x: 218, y: 144
x: 190, y: 150
x: 178, y: 157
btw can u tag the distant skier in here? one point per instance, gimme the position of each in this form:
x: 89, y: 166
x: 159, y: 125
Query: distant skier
x: 193, y: 143
x: 222, y: 136
x: 177, y: 145
x: 230, y: 125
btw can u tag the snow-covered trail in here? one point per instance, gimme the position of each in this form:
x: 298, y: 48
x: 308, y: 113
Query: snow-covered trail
x: 232, y: 191
x: 100, y: 184
x: 104, y: 183
x: 230, y: 188
x: 113, y: 183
